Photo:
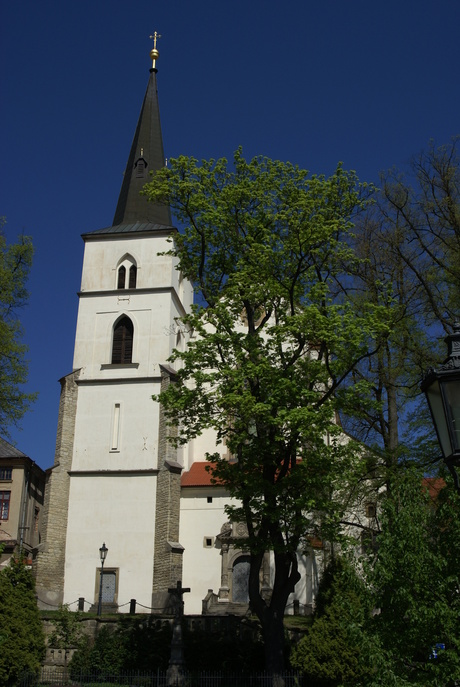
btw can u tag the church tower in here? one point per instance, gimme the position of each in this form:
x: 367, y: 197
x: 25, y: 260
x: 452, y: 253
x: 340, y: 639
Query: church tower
x: 115, y: 479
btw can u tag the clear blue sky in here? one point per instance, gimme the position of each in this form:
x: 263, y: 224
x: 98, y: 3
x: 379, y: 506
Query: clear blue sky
x: 310, y: 82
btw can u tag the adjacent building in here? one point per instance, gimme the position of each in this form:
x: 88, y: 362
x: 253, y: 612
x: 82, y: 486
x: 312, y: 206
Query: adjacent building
x: 22, y: 486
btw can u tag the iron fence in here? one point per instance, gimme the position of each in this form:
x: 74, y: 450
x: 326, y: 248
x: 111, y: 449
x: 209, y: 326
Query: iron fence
x: 66, y: 678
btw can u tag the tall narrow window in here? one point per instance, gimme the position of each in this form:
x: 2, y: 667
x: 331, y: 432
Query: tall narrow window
x: 132, y: 276
x: 116, y: 427
x: 122, y: 349
x: 4, y: 504
x: 121, y: 277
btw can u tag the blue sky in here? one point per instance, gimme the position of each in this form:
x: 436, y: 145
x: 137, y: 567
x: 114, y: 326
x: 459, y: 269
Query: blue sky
x: 368, y: 84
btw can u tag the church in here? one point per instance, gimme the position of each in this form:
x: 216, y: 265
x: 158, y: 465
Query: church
x: 116, y: 480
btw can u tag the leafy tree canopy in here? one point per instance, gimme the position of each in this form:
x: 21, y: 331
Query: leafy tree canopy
x: 267, y: 247
x: 15, y: 264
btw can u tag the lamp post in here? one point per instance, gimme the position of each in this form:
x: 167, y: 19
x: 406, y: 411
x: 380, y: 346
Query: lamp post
x: 442, y: 389
x: 103, y: 555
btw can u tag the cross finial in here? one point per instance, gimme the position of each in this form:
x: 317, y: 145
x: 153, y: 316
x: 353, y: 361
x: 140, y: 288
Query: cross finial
x: 154, y: 54
x: 154, y: 38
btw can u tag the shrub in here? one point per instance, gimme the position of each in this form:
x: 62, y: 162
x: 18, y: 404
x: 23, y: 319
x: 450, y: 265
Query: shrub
x: 22, y: 641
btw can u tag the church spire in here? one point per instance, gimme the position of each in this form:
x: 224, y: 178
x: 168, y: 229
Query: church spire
x: 146, y: 155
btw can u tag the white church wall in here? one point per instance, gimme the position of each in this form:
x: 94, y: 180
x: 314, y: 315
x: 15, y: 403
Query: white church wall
x: 116, y: 427
x: 195, y: 451
x: 120, y: 511
x: 102, y: 258
x: 154, y: 335
x: 199, y: 521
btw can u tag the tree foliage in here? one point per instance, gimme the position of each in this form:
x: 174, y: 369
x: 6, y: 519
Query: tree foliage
x: 410, y: 245
x: 425, y: 204
x: 267, y: 247
x: 393, y: 619
x: 131, y: 645
x: 22, y: 642
x: 15, y: 264
x: 330, y: 652
x: 416, y: 581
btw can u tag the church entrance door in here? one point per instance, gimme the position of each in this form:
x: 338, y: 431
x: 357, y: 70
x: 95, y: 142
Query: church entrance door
x: 240, y: 581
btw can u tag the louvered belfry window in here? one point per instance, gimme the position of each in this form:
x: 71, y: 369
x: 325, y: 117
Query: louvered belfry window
x: 121, y: 277
x: 132, y: 276
x: 122, y: 350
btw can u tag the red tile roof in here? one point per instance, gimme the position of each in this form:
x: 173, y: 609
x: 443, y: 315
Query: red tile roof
x: 199, y: 475
x: 433, y: 485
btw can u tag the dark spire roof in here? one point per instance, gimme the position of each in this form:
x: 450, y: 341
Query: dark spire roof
x: 146, y: 155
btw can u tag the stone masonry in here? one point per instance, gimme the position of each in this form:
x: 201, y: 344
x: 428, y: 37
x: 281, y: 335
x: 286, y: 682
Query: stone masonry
x: 167, y: 570
x: 50, y: 561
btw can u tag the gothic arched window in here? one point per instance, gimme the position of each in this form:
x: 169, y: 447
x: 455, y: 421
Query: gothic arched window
x: 126, y: 274
x: 132, y: 277
x: 121, y: 277
x: 122, y: 348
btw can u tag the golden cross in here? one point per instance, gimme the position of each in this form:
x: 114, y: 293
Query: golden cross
x: 154, y: 38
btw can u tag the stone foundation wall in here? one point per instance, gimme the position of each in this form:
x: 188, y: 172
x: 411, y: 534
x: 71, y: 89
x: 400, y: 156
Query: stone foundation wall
x: 50, y: 559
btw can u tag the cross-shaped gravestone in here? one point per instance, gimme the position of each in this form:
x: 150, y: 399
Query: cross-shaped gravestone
x: 179, y: 591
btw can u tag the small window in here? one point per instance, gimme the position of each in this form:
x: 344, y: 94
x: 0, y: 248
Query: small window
x: 6, y: 473
x: 132, y: 276
x: 5, y: 504
x: 121, y: 277
x: 209, y: 499
x: 140, y: 166
x: 122, y: 349
x: 116, y: 427
x: 208, y: 542
x: 371, y: 510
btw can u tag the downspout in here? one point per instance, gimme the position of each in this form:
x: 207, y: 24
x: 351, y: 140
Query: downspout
x: 25, y: 504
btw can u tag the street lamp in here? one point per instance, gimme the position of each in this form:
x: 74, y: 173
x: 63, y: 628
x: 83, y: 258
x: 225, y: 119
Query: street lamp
x: 103, y: 555
x: 442, y: 389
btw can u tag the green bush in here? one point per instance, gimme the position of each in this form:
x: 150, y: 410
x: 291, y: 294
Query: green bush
x: 132, y: 644
x: 329, y: 654
x: 22, y: 641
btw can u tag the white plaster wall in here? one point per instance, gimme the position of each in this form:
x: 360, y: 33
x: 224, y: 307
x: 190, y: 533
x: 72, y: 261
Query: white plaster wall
x: 153, y: 316
x: 200, y: 519
x: 195, y: 451
x: 103, y: 255
x: 138, y: 427
x: 120, y: 511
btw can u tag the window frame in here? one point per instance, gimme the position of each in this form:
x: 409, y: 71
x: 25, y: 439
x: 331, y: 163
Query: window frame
x: 122, y: 341
x: 5, y: 500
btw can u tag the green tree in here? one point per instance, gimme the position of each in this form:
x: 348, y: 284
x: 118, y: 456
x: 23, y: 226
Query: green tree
x: 329, y: 654
x: 415, y: 581
x: 403, y: 350
x: 425, y: 204
x: 273, y: 341
x: 409, y: 242
x: 15, y: 263
x: 21, y: 634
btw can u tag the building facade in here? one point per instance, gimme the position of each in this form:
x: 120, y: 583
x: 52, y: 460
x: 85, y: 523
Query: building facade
x: 22, y: 487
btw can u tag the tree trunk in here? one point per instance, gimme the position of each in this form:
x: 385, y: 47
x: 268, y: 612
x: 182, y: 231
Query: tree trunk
x: 273, y: 634
x: 271, y: 614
